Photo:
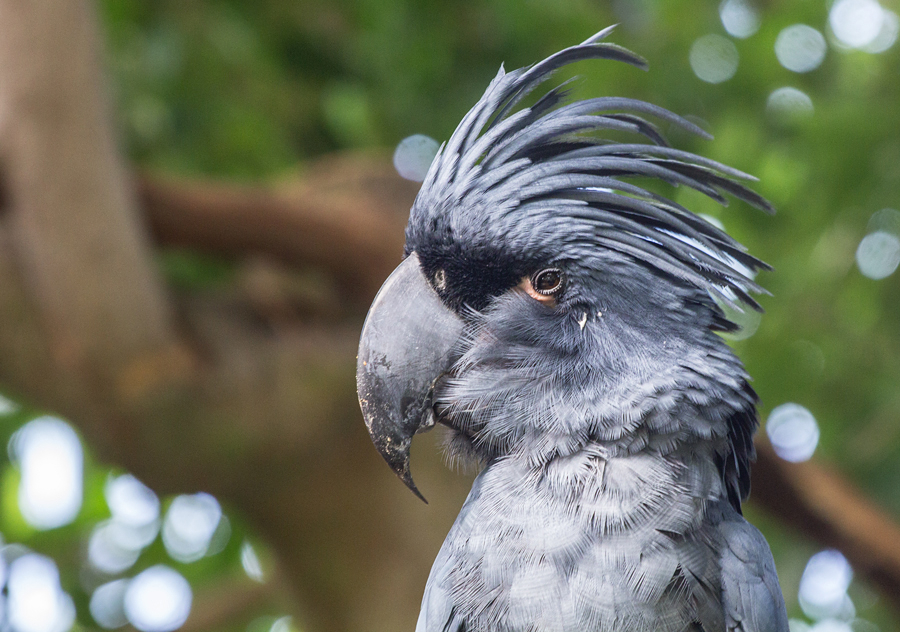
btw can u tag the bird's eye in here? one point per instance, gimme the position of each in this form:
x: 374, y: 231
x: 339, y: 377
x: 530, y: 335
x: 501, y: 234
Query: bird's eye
x: 548, y: 281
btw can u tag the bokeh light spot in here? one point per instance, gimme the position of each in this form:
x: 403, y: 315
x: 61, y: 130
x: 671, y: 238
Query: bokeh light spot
x: 714, y: 58
x: 831, y: 625
x: 50, y: 459
x: 2, y: 568
x: 793, y: 431
x: 272, y: 624
x: 130, y: 501
x: 283, y: 624
x: 220, y: 537
x: 414, y: 155
x: 189, y: 526
x: 715, y: 221
x: 116, y: 544
x: 747, y: 319
x: 856, y: 23
x: 878, y: 255
x: 107, y: 552
x: 823, y: 586
x: 158, y: 600
x: 739, y: 18
x: 7, y: 406
x: 107, y: 604
x: 789, y: 105
x: 36, y: 602
x: 800, y: 48
x: 887, y: 219
x: 887, y: 36
x: 250, y: 562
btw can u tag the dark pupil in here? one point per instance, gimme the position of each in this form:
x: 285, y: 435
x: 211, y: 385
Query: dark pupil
x: 547, y: 280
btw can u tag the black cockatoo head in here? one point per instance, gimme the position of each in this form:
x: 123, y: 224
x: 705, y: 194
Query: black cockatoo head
x: 539, y: 273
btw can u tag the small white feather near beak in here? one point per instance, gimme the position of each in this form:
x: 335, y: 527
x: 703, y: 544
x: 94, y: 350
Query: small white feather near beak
x: 582, y: 321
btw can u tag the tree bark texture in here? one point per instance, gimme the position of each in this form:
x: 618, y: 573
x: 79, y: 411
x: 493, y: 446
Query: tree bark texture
x: 247, y: 393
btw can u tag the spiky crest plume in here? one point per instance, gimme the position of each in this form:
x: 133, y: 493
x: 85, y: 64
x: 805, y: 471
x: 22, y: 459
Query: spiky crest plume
x: 503, y: 166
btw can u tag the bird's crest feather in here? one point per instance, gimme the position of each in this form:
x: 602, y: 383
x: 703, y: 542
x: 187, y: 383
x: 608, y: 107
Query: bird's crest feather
x: 549, y: 159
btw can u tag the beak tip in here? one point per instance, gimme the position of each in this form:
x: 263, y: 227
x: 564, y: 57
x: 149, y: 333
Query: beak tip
x: 408, y: 481
x: 395, y: 451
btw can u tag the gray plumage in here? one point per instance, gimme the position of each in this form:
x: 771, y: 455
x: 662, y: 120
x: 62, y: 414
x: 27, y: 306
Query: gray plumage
x: 603, y: 504
x: 613, y: 424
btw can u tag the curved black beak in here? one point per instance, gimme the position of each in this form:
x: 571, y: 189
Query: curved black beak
x: 406, y: 345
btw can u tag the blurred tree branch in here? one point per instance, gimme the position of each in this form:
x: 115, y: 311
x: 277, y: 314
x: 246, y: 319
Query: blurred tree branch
x: 194, y: 391
x: 346, y: 215
x: 817, y: 501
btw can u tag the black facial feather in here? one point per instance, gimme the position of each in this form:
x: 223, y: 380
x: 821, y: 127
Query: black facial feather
x: 512, y: 188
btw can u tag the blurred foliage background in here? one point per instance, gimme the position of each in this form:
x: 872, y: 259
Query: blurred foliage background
x: 255, y: 91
